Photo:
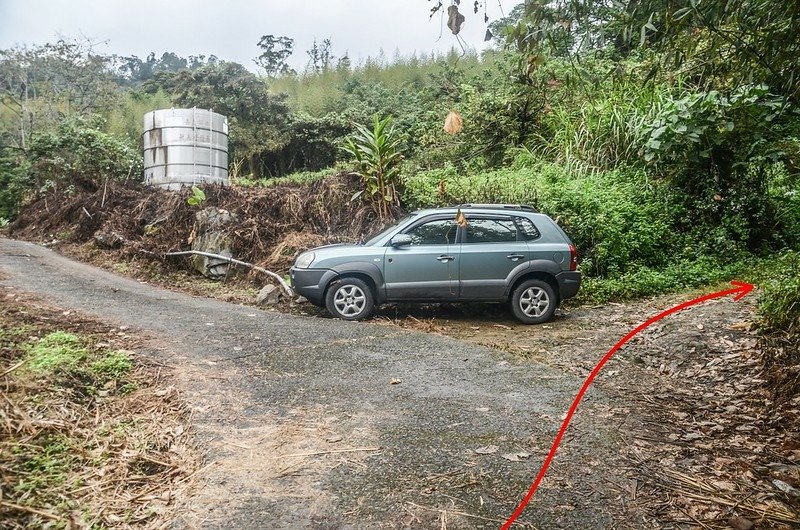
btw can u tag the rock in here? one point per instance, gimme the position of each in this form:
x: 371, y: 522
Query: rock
x: 213, y: 218
x: 269, y: 295
x: 301, y: 300
x: 108, y: 240
x: 211, y: 237
x: 213, y: 243
x: 740, y: 523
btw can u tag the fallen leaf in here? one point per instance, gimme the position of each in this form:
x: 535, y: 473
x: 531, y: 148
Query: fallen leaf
x: 488, y: 450
x: 786, y: 488
x: 516, y: 457
x: 740, y: 523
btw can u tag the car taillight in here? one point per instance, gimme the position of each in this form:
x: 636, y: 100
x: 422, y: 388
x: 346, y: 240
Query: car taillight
x: 573, y: 258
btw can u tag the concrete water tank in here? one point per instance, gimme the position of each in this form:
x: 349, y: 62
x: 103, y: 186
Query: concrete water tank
x: 183, y: 147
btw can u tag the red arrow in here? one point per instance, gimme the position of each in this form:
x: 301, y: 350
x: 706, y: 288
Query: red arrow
x: 740, y: 290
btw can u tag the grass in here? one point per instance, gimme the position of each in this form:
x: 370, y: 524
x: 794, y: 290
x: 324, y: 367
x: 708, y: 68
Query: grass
x: 47, y: 463
x: 77, y: 417
x: 112, y: 365
x: 60, y: 351
x: 55, y: 351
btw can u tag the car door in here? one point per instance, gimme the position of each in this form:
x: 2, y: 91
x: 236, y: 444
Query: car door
x: 491, y: 251
x: 427, y: 268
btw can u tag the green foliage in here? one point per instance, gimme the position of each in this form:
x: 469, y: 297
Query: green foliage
x: 15, y: 184
x: 133, y: 71
x: 312, y: 146
x: 779, y: 323
x: 297, y: 178
x: 378, y: 156
x: 638, y: 282
x: 78, y: 154
x: 125, y: 120
x: 64, y: 354
x: 112, y: 365
x: 697, y: 123
x: 46, y: 463
x: 275, y: 51
x: 56, y: 351
x: 779, y: 303
x: 197, y: 197
x: 41, y: 85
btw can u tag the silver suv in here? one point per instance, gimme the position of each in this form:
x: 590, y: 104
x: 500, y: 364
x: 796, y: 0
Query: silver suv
x: 472, y: 253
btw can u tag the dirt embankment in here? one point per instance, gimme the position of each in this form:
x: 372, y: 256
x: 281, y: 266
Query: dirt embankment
x: 272, y: 224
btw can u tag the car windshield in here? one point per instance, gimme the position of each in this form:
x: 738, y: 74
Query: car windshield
x: 375, y: 237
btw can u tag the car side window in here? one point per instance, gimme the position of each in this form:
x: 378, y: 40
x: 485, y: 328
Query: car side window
x: 438, y: 232
x: 527, y: 228
x: 491, y: 231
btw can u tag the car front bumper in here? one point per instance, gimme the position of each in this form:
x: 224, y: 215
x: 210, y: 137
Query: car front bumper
x: 311, y: 283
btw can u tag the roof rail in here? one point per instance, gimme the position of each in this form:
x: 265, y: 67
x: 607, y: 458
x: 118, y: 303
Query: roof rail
x: 523, y: 207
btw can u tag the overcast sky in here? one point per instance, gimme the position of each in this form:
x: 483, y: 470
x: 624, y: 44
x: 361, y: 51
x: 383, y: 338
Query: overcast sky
x: 230, y: 29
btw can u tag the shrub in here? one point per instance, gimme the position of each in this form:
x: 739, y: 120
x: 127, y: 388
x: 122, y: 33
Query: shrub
x: 78, y: 154
x: 15, y: 185
x: 618, y: 219
x: 779, y: 312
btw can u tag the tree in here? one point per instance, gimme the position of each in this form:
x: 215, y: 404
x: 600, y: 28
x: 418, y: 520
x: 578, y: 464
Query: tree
x: 133, y: 71
x: 41, y: 85
x: 275, y: 52
x: 320, y: 56
x: 259, y: 121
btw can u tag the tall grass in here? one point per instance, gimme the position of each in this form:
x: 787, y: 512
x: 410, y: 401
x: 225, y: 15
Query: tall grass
x: 603, y: 132
x: 318, y: 93
x: 126, y: 120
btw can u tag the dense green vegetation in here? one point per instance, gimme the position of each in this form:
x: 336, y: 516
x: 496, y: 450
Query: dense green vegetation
x: 665, y: 137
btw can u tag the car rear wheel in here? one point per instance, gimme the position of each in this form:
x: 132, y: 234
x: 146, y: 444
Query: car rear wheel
x: 533, y: 302
x: 350, y: 299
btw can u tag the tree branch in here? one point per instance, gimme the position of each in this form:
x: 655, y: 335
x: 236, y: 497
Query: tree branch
x: 285, y: 286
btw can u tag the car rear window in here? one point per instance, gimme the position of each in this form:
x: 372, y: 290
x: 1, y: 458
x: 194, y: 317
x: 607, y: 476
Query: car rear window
x: 527, y: 228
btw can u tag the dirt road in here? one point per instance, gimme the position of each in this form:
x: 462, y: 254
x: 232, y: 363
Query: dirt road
x: 316, y: 423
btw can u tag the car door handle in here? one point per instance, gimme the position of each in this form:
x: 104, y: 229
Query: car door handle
x: 445, y: 259
x: 515, y: 257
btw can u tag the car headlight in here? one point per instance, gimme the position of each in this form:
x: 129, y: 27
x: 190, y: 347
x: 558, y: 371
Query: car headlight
x: 304, y: 260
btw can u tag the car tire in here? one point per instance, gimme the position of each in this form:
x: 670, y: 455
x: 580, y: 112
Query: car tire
x: 534, y: 302
x: 350, y: 299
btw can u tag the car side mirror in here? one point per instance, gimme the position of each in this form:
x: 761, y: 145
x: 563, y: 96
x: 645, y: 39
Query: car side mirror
x: 400, y: 240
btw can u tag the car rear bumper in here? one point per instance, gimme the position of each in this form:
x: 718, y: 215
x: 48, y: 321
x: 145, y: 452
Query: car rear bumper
x: 568, y: 283
x: 311, y: 283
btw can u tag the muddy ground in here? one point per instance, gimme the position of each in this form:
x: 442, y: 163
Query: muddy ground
x: 679, y: 431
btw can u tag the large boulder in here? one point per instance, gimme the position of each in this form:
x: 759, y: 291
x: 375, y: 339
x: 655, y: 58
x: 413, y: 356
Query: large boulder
x: 210, y: 236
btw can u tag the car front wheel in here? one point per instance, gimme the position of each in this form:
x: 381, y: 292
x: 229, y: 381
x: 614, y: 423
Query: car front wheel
x: 533, y: 302
x: 350, y: 299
